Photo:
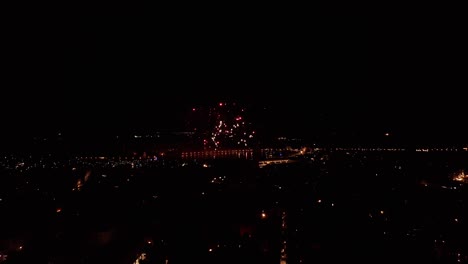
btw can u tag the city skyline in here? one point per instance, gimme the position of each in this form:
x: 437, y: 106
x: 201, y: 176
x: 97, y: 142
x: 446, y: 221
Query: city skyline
x: 260, y: 137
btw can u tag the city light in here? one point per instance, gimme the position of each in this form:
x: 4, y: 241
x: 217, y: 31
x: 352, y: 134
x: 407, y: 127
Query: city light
x: 460, y: 177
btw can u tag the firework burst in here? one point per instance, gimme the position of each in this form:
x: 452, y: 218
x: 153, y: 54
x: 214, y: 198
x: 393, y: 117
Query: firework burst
x: 224, y: 126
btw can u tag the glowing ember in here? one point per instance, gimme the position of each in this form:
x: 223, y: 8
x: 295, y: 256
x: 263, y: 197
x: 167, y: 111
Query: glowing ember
x: 460, y: 177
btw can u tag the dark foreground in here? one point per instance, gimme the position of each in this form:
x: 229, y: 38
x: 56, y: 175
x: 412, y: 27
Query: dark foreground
x: 326, y: 208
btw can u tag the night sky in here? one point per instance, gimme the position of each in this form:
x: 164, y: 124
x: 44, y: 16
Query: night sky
x: 331, y: 73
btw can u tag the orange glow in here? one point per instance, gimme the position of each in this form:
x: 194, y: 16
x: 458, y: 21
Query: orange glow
x: 461, y: 177
x: 59, y: 210
x: 263, y: 215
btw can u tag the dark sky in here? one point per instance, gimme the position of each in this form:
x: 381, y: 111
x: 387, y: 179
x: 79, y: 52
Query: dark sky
x: 342, y: 72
